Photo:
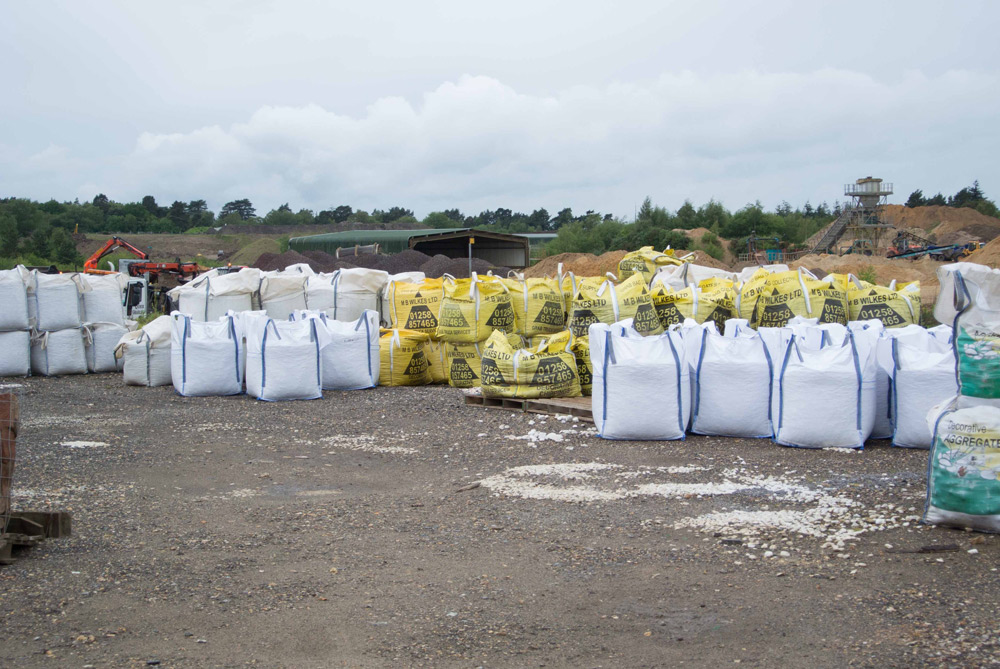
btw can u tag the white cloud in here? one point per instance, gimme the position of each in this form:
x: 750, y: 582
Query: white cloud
x: 477, y: 143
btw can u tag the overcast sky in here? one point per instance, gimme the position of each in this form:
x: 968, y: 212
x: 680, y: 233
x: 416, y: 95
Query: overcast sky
x: 433, y: 105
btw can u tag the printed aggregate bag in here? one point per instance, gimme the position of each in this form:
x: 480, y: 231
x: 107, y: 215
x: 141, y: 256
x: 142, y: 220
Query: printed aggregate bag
x: 464, y: 361
x: 610, y: 303
x: 963, y: 489
x: 415, y: 306
x: 895, y: 305
x: 646, y: 261
x: 798, y: 293
x: 437, y: 360
x: 538, y: 306
x: 403, y: 358
x: 548, y: 371
x: 471, y: 309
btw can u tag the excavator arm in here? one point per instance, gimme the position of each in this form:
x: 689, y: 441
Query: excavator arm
x: 90, y: 266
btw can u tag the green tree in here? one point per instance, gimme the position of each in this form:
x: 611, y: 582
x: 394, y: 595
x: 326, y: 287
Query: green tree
x: 242, y: 208
x: 62, y: 248
x: 938, y: 200
x: 9, y: 237
x: 686, y: 216
x: 439, y: 219
x: 342, y: 213
x: 916, y: 199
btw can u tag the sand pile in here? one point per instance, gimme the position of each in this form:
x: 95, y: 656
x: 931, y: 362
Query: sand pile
x: 696, y: 234
x: 581, y: 264
x: 988, y: 255
x: 950, y: 225
x: 886, y: 269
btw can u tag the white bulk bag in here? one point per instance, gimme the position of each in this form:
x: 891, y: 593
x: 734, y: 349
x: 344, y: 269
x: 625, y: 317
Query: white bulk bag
x: 13, y: 299
x: 15, y: 353
x: 822, y: 395
x: 212, y: 295
x: 54, y: 301
x: 281, y: 294
x: 641, y: 386
x: 943, y: 333
x: 678, y: 277
x: 874, y: 333
x: 145, y: 354
x: 351, y: 352
x: 346, y: 294
x: 283, y: 359
x: 103, y: 298
x: 955, y: 295
x: 101, y: 340
x: 206, y: 357
x: 923, y: 376
x: 731, y: 386
x: 58, y: 352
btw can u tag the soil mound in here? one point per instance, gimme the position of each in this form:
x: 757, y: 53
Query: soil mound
x: 885, y: 269
x: 270, y: 262
x: 988, y: 255
x: 949, y: 225
x: 249, y: 254
x: 581, y: 264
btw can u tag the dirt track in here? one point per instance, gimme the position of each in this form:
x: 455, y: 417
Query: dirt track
x: 228, y: 532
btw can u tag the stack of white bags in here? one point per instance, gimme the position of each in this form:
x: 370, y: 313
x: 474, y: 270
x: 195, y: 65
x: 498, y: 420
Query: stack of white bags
x: 15, y: 335
x: 805, y: 385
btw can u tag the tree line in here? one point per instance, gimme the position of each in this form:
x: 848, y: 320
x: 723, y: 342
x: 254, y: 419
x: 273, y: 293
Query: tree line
x: 42, y: 231
x: 970, y: 196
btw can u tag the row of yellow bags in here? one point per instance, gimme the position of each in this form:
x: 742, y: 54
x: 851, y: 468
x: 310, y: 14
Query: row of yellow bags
x: 466, y: 311
x: 504, y: 366
x: 470, y: 310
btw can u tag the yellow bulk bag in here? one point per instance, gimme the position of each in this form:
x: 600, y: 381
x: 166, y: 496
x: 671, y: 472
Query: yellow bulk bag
x: 472, y: 309
x: 415, y: 306
x: 717, y: 305
x: 799, y: 293
x: 673, y: 306
x: 403, y: 361
x: 715, y: 283
x: 746, y: 300
x: 896, y: 305
x: 581, y: 351
x: 645, y: 261
x: 437, y: 366
x: 538, y: 306
x: 464, y: 361
x: 548, y: 371
x: 609, y: 303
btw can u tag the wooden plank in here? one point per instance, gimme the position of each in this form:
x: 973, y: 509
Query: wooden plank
x: 6, y: 557
x: 573, y: 406
x: 54, y: 524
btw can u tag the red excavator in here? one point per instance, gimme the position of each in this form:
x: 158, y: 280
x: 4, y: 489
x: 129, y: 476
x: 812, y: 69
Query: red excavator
x: 184, y: 271
x: 141, y: 296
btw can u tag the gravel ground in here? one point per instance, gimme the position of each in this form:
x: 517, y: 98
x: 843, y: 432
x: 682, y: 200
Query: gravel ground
x: 397, y: 527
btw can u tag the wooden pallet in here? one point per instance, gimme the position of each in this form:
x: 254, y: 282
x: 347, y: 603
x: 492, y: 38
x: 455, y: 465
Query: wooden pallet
x: 573, y: 406
x: 30, y: 528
